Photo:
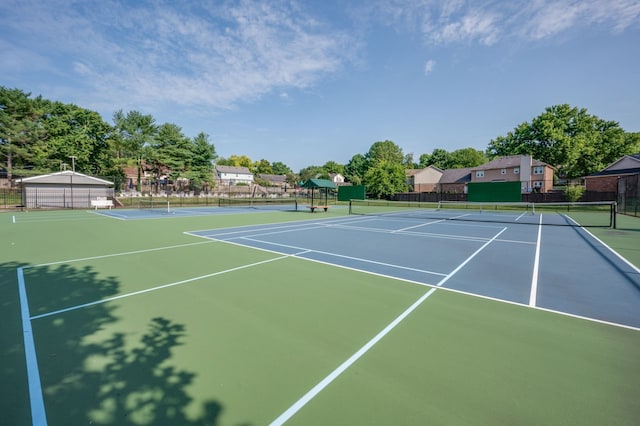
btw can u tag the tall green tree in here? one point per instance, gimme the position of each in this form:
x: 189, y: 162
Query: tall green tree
x: 279, y: 168
x: 76, y: 132
x: 171, y: 150
x: 262, y: 167
x: 21, y: 130
x: 355, y: 169
x: 385, y: 151
x: 385, y: 178
x: 569, y: 138
x: 333, y: 167
x: 135, y: 133
x: 313, y: 172
x: 466, y: 157
x: 204, y: 154
x: 236, y: 161
x: 439, y: 158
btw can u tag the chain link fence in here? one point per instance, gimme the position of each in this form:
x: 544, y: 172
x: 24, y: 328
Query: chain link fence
x: 629, y: 195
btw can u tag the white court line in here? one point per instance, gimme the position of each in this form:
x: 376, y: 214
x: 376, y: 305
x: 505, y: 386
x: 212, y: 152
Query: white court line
x: 417, y: 234
x: 536, y: 267
x: 287, y: 414
x: 104, y: 256
x: 38, y: 413
x: 148, y: 290
x: 342, y: 256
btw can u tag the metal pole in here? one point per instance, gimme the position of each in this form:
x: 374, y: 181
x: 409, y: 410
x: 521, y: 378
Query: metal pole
x: 73, y: 171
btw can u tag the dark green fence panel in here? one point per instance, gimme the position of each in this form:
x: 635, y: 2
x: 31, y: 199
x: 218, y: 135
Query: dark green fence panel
x: 355, y: 192
x: 495, y: 191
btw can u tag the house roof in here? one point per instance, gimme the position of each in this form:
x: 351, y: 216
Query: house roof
x: 615, y: 172
x: 319, y: 183
x: 65, y: 177
x: 413, y: 172
x: 273, y: 178
x: 233, y: 169
x: 506, y: 162
x: 462, y: 175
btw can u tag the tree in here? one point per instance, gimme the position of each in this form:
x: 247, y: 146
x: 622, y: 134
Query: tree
x: 20, y: 128
x: 466, y: 157
x: 204, y: 154
x: 408, y: 161
x: 136, y: 132
x: 313, y: 172
x: 331, y: 167
x: 439, y: 158
x: 262, y: 167
x: 568, y: 138
x: 280, y: 168
x: 386, y: 151
x: 385, y: 179
x: 76, y: 132
x: 355, y: 169
x: 236, y: 161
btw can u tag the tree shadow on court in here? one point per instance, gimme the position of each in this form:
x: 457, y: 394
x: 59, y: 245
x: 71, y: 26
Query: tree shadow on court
x: 91, y: 375
x: 14, y: 403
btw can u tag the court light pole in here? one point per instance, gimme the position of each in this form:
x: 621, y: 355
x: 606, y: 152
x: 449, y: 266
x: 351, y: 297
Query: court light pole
x: 73, y: 171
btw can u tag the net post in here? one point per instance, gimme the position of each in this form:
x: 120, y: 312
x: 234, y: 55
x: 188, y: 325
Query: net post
x: 350, y: 210
x: 614, y: 215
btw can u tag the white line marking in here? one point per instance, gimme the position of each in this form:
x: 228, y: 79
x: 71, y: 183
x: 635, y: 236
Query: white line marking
x: 536, y: 267
x: 344, y: 256
x: 287, y: 414
x: 38, y: 414
x: 119, y: 254
x: 147, y: 290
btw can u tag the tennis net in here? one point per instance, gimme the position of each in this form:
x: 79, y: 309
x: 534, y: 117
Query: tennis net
x: 600, y: 214
x: 155, y: 205
x: 260, y: 203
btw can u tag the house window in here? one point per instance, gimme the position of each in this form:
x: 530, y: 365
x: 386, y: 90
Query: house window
x: 537, y: 184
x: 516, y: 170
x: 503, y: 171
x: 479, y: 173
x: 538, y: 170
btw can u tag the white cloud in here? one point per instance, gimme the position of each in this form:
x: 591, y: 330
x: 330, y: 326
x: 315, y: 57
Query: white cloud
x: 429, y: 66
x: 178, y: 52
x: 444, y: 22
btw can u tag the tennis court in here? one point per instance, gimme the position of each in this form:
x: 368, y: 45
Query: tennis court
x: 291, y: 317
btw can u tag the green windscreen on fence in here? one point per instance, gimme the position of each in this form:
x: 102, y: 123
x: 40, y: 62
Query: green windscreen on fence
x: 494, y: 191
x: 355, y: 192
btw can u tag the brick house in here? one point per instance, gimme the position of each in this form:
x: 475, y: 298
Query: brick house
x: 606, y: 180
x: 454, y: 181
x: 423, y: 180
x: 533, y: 174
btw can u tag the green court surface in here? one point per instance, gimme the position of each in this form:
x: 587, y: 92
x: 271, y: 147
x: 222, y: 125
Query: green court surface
x: 137, y: 323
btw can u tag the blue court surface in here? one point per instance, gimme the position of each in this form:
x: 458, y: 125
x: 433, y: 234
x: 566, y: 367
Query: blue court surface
x: 558, y: 268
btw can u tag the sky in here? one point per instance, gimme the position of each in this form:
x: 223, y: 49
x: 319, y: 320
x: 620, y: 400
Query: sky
x: 306, y: 82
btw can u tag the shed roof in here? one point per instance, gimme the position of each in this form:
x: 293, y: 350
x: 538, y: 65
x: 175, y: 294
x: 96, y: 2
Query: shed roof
x: 65, y: 177
x: 319, y: 183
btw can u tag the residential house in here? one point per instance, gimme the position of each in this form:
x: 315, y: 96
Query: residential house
x: 533, y: 174
x: 231, y: 175
x: 454, y: 181
x: 606, y: 180
x: 279, y: 181
x: 336, y: 178
x: 423, y: 180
